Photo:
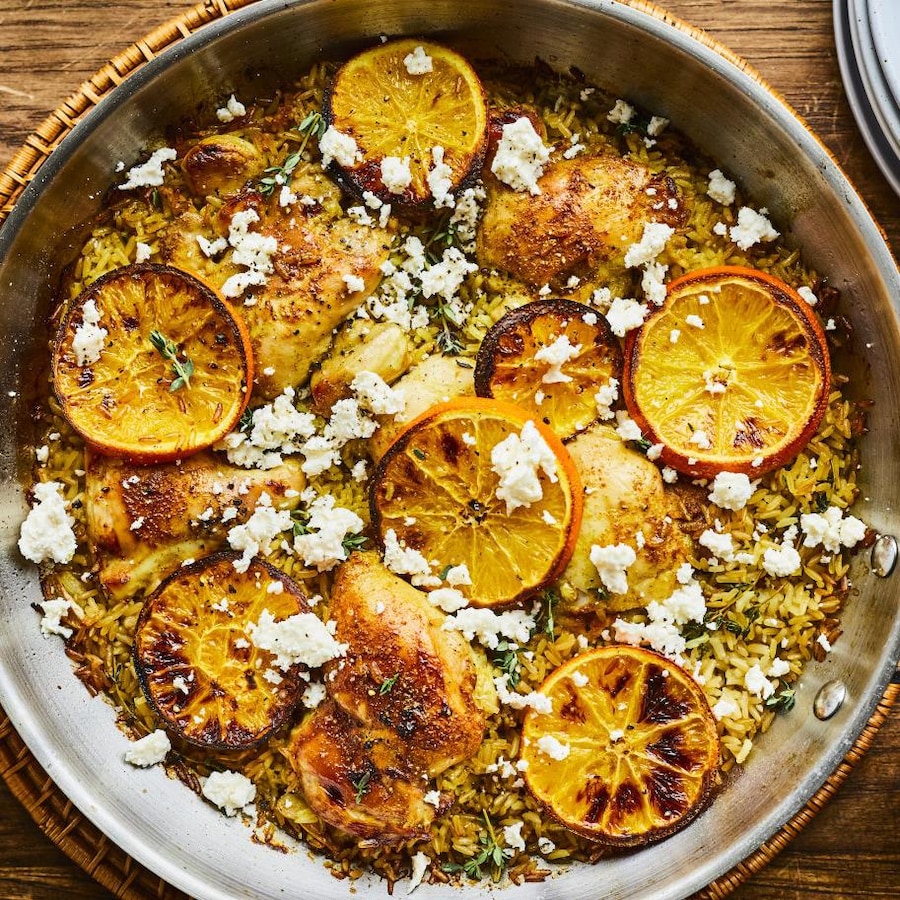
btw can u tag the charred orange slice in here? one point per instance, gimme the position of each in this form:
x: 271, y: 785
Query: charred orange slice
x: 196, y: 661
x: 630, y: 751
x: 480, y: 482
x: 150, y: 364
x: 399, y: 101
x: 732, y: 373
x: 551, y: 358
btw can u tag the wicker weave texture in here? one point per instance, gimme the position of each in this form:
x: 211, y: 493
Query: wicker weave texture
x: 53, y: 812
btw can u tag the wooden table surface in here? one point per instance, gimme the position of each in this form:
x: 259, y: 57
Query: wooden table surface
x: 48, y: 47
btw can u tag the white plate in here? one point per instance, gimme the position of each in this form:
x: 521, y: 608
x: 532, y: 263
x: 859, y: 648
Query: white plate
x: 884, y: 19
x: 875, y: 138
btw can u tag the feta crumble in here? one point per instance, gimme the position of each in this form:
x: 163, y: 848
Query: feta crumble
x: 540, y: 703
x: 440, y: 179
x: 354, y: 283
x: 322, y: 546
x: 605, y: 397
x: 517, y: 460
x: 395, y: 173
x: 486, y: 626
x: 300, y: 639
x: 556, y: 355
x: 375, y: 393
x: 757, y: 683
x: 418, y: 62
x: 652, y: 243
x: 419, y: 868
x: 512, y: 836
x: 553, y: 747
x: 255, y: 536
x: 149, y: 750
x: 625, y: 314
x: 151, y: 173
x: 731, y: 490
x: 403, y: 560
x: 781, y: 561
x: 54, y: 609
x: 250, y: 249
x: 807, y: 294
x: 612, y: 563
x: 832, y: 529
x: 233, y: 109
x: 87, y: 342
x: 752, y: 228
x: 46, y: 533
x: 448, y: 599
x: 721, y: 189
x: 230, y: 791
x: 621, y: 114
x: 521, y: 156
x: 338, y: 147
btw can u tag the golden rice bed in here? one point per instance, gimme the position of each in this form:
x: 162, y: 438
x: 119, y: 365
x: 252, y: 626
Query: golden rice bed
x: 781, y: 618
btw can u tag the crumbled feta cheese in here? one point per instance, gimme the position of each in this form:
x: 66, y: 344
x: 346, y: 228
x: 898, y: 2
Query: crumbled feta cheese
x: 720, y: 545
x: 354, y: 283
x: 373, y: 391
x: 149, y: 750
x: 694, y: 321
x: 150, y: 173
x: 313, y: 695
x: 230, y: 791
x: 517, y: 461
x: 653, y: 282
x: 440, y: 178
x: 605, y: 397
x: 657, y: 125
x: 54, y: 609
x: 433, y: 798
x: 540, y: 703
x: 395, y: 173
x: 142, y: 252
x: 448, y: 599
x: 233, y: 109
x: 627, y: 428
x: 824, y: 643
x: 621, y: 114
x: 625, y: 314
x: 752, y: 228
x: 299, y: 639
x: 669, y: 475
x: 556, y: 355
x: 712, y: 383
x: 338, y: 147
x: 612, y: 563
x: 652, y: 243
x: 486, y: 626
x: 180, y: 684
x: 545, y: 845
x: 250, y: 249
x: 458, y: 575
x: 574, y: 147
x: 211, y: 248
x: 701, y: 439
x: 521, y: 156
x: 418, y: 62
x: 322, y: 546
x: 720, y: 188
x: 807, y: 294
x: 46, y: 533
x: 778, y: 668
x: 757, y: 683
x: 553, y: 747
x: 832, y: 529
x: 685, y: 604
x: 731, y: 490
x: 781, y: 561
x: 726, y: 707
x: 87, y: 342
x: 255, y: 536
x: 512, y: 836
x: 419, y: 864
x: 579, y: 679
x: 685, y: 573
x: 403, y: 560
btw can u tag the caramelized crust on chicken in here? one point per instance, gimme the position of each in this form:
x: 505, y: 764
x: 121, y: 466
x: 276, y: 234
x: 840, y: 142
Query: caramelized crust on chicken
x: 304, y: 298
x: 591, y: 209
x: 404, y: 706
x: 627, y: 496
x: 144, y: 521
x: 358, y: 779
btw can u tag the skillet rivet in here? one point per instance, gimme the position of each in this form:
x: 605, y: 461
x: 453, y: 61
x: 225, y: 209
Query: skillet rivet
x: 884, y: 555
x: 829, y: 700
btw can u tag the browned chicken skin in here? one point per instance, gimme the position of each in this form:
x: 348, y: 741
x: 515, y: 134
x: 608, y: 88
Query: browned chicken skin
x: 591, y: 209
x: 144, y: 521
x: 402, y: 708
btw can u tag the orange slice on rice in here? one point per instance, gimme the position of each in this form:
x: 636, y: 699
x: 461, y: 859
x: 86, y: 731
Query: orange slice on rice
x: 435, y: 491
x: 731, y: 373
x: 550, y: 357
x: 392, y: 112
x: 170, y: 376
x: 628, y: 754
x: 197, y: 663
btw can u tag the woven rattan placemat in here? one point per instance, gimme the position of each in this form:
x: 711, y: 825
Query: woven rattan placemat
x: 54, y: 813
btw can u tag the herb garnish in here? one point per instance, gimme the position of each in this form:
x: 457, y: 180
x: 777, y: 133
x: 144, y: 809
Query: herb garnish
x: 276, y: 176
x: 507, y: 660
x: 550, y: 598
x: 783, y: 701
x: 362, y: 785
x: 354, y: 542
x: 491, y: 854
x: 169, y: 350
x: 388, y: 684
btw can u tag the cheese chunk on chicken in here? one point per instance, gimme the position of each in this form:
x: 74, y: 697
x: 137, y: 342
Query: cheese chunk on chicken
x: 406, y: 702
x: 303, y: 295
x: 591, y: 209
x: 626, y: 496
x: 144, y: 521
x: 434, y: 380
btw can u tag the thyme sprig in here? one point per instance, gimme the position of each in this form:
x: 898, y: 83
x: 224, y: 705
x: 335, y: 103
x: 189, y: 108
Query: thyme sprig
x: 491, y: 854
x: 507, y: 660
x: 313, y: 125
x: 361, y: 784
x: 783, y: 701
x: 182, y: 369
x: 388, y: 684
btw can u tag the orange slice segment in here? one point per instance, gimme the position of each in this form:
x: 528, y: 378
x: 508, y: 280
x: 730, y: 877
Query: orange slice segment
x: 197, y: 663
x: 393, y: 108
x: 630, y: 751
x: 550, y: 357
x: 731, y: 373
x: 436, y: 489
x: 170, y: 376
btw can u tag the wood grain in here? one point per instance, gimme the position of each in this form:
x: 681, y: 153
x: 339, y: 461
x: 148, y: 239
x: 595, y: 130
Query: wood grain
x: 48, y: 47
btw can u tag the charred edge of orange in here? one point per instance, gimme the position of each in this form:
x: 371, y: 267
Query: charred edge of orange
x: 486, y: 358
x: 195, y: 568
x: 477, y: 405
x: 787, y: 296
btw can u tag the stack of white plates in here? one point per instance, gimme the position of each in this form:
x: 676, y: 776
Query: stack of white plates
x: 867, y: 35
